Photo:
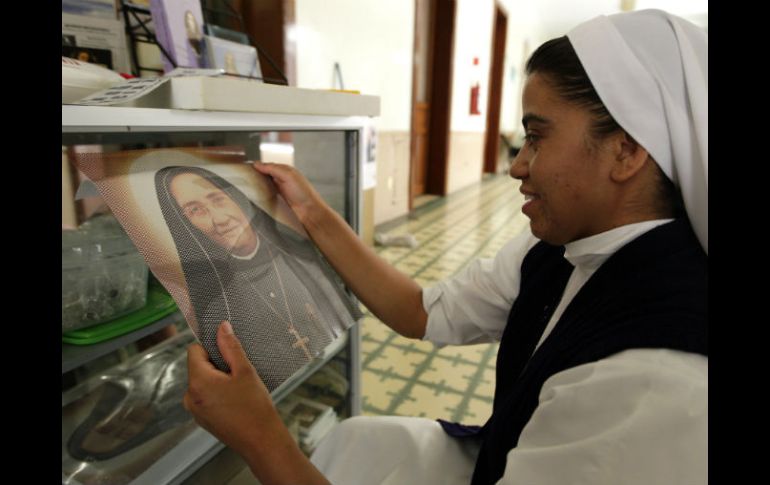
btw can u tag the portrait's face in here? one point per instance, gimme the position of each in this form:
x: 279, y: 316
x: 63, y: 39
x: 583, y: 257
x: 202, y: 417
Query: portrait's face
x: 230, y: 63
x: 191, y: 25
x: 564, y: 174
x: 212, y: 211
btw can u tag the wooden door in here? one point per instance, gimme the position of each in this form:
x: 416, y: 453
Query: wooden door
x: 421, y: 77
x: 419, y: 147
x: 492, y: 139
x: 434, y: 23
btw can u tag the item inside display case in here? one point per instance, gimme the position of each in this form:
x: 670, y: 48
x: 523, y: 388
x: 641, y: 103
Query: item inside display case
x: 103, y: 274
x: 116, y: 425
x: 159, y: 304
x: 307, y: 421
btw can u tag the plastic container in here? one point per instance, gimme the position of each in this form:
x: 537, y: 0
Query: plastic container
x: 103, y: 276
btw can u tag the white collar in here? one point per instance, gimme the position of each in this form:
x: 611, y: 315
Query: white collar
x: 248, y: 256
x: 592, y: 251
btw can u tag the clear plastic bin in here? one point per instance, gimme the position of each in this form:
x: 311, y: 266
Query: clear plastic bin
x: 103, y: 275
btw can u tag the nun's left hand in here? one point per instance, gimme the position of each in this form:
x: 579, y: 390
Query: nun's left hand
x: 236, y: 408
x: 233, y: 407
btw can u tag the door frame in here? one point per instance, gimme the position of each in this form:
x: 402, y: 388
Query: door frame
x: 440, y: 64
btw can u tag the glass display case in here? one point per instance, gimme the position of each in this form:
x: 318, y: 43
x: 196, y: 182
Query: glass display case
x: 121, y: 396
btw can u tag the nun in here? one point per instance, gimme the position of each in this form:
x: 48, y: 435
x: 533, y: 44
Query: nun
x: 600, y: 308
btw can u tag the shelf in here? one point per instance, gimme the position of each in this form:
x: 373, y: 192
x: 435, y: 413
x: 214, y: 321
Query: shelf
x: 198, y: 447
x: 95, y: 120
x: 73, y: 356
x: 248, y: 95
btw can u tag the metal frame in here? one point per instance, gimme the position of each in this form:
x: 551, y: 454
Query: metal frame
x: 80, y: 123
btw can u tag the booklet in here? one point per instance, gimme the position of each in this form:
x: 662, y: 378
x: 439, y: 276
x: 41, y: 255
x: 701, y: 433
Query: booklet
x: 226, y: 246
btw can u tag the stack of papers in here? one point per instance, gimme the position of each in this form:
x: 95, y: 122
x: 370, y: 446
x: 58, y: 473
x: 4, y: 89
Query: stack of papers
x: 311, y: 419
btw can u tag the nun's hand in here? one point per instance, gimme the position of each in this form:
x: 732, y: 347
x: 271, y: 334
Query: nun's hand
x: 238, y: 410
x: 295, y: 189
x: 234, y: 407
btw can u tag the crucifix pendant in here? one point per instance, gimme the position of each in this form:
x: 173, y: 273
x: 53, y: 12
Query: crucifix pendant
x: 301, y: 342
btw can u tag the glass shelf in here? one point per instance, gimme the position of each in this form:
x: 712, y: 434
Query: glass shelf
x: 73, y: 356
x: 159, y: 461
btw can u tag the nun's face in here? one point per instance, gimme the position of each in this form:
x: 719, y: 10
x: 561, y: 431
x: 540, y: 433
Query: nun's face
x: 564, y: 174
x: 212, y: 211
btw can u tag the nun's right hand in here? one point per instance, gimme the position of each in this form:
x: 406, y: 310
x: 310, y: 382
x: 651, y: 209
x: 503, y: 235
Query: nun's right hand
x: 294, y: 187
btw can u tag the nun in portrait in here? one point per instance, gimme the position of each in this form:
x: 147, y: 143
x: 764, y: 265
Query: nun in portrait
x: 241, y: 265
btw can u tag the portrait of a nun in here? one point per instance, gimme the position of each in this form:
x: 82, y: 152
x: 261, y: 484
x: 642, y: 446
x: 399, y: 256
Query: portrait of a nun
x: 242, y: 265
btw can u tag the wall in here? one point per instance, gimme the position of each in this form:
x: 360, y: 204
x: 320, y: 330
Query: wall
x: 523, y: 37
x: 372, y: 41
x: 473, y: 38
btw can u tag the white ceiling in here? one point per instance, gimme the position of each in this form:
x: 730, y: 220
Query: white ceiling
x: 558, y: 16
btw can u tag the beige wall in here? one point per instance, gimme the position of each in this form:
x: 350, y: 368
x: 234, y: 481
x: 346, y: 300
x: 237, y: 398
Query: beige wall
x: 367, y: 217
x: 391, y: 198
x: 466, y: 153
x: 523, y: 36
x: 473, y: 39
x: 371, y: 40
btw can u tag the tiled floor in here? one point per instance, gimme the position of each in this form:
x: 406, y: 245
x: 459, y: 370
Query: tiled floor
x: 410, y: 377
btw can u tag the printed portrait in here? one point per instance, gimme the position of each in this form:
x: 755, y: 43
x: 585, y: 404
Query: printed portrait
x: 227, y: 247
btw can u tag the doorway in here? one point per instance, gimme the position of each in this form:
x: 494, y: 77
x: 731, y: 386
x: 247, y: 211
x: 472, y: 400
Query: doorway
x: 434, y: 24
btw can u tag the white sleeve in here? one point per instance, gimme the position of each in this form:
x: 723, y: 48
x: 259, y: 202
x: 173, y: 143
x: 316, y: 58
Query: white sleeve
x: 473, y: 306
x: 638, y: 417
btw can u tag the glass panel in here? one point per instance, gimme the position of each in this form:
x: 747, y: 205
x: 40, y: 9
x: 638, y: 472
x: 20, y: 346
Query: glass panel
x: 322, y: 156
x: 118, y: 423
x: 115, y: 427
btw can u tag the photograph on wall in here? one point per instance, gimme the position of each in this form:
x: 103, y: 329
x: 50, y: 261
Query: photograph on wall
x: 226, y: 246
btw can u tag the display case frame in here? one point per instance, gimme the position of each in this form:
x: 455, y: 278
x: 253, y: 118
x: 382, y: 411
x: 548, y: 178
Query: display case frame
x: 100, y: 125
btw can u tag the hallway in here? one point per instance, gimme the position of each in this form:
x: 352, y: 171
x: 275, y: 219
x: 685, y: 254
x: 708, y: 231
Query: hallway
x: 412, y: 378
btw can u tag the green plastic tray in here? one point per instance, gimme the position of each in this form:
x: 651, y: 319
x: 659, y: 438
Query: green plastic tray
x: 159, y: 304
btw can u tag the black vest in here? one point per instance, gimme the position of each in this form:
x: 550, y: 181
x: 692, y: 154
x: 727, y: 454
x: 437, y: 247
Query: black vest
x: 652, y: 293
